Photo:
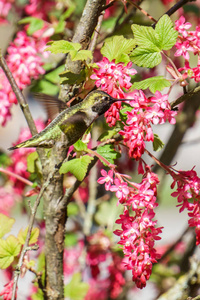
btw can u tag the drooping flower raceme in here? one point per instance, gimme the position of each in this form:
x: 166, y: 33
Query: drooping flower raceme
x: 114, y: 79
x: 188, y: 42
x: 138, y: 229
x: 145, y: 112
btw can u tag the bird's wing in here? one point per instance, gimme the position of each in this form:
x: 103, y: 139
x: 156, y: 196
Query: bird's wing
x: 52, y: 104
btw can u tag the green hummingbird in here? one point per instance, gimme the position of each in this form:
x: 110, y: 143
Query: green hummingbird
x: 72, y: 121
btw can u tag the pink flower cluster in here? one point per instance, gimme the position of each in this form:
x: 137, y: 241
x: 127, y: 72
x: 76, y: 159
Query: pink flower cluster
x: 7, y: 199
x: 146, y: 111
x: 7, y: 291
x: 39, y: 9
x: 187, y: 193
x: 113, y: 78
x: 19, y: 159
x: 188, y: 41
x: 138, y: 230
x: 24, y: 59
x: 99, y: 253
x: 5, y: 6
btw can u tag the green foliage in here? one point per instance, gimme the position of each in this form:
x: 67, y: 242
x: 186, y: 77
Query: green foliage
x: 70, y: 239
x: 78, y: 166
x: 107, y: 213
x: 68, y: 77
x: 150, y: 42
x: 45, y: 87
x: 157, y: 83
x: 118, y: 48
x: 72, y: 209
x: 80, y: 146
x: 76, y: 290
x: 108, y: 152
x: 31, y: 160
x: 54, y: 76
x: 107, y: 135
x: 157, y: 143
x: 74, y: 49
x: 6, y: 224
x: 34, y: 24
x: 9, y: 248
x: 34, y: 235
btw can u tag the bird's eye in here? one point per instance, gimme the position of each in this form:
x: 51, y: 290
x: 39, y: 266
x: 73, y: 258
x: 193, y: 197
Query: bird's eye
x: 105, y: 98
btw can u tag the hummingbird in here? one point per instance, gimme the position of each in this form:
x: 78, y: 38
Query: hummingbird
x: 72, y: 121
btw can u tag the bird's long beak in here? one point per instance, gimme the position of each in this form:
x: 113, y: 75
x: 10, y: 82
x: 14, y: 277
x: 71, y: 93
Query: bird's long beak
x: 116, y: 99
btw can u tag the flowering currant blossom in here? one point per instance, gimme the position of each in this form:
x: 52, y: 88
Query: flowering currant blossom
x: 24, y: 60
x: 188, y: 41
x: 7, y: 291
x: 187, y: 193
x: 113, y: 78
x: 145, y: 112
x: 138, y: 230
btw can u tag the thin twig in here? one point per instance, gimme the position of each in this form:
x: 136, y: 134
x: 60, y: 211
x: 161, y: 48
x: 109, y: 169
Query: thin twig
x: 178, y: 5
x: 19, y: 95
x: 18, y: 177
x: 25, y: 246
x: 185, y: 97
x: 143, y: 11
x: 96, y: 33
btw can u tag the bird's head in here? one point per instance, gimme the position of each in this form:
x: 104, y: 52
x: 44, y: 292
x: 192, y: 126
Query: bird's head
x: 100, y: 101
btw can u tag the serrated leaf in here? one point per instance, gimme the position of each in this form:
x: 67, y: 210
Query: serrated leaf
x: 146, y: 57
x: 62, y: 46
x: 32, y: 157
x: 167, y: 34
x: 78, y: 166
x: 35, y: 24
x: 9, y: 248
x: 6, y: 224
x: 108, y: 152
x: 111, y: 48
x: 81, y: 55
x: 68, y: 77
x: 146, y: 36
x: 34, y: 235
x: 157, y: 83
x: 76, y: 290
x: 80, y: 146
x: 157, y: 143
x: 107, y: 135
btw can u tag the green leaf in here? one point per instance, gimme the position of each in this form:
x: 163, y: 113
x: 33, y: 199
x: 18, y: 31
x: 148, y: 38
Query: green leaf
x: 80, y: 146
x: 107, y: 213
x: 72, y: 209
x: 68, y: 77
x: 157, y: 143
x: 31, y: 159
x: 71, y: 239
x: 146, y: 36
x: 107, y: 135
x: 146, y: 57
x: 167, y: 34
x: 81, y: 55
x: 9, y: 248
x: 108, y: 152
x: 54, y: 75
x: 76, y: 290
x: 118, y: 48
x: 6, y: 224
x: 45, y: 87
x: 62, y: 47
x: 157, y: 83
x: 78, y: 166
x: 34, y: 235
x: 35, y: 24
